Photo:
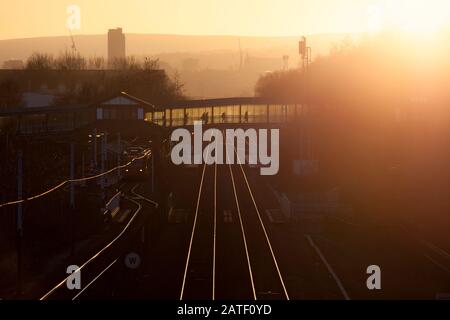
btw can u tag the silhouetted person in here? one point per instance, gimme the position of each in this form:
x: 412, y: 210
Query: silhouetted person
x: 203, y: 118
x: 186, y: 118
x: 246, y: 117
x: 224, y: 117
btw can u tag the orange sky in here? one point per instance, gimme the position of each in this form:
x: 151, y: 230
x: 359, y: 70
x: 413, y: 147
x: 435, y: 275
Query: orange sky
x: 31, y: 18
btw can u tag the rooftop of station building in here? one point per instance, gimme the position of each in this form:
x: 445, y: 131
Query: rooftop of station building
x: 126, y: 99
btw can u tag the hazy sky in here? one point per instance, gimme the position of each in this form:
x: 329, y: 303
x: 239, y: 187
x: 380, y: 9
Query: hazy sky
x: 30, y: 18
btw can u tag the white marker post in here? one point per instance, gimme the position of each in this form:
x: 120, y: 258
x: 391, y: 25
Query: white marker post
x: 119, y: 153
x: 103, y: 183
x: 19, y: 219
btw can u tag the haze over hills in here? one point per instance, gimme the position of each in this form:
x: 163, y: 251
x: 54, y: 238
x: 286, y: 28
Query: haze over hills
x: 154, y: 44
x: 209, y: 66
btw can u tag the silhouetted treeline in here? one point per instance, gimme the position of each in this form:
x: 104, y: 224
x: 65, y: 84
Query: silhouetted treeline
x: 142, y: 78
x: 154, y: 86
x: 75, y: 61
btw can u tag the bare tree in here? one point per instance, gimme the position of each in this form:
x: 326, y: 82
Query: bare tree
x: 40, y: 61
x: 70, y: 61
x: 150, y: 64
x: 96, y: 63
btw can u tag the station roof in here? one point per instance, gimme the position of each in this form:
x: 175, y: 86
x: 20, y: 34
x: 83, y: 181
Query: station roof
x: 223, y: 102
x: 125, y: 99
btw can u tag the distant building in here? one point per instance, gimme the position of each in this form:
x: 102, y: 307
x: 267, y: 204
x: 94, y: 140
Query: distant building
x: 116, y: 44
x: 190, y: 65
x: 13, y: 64
x: 37, y: 99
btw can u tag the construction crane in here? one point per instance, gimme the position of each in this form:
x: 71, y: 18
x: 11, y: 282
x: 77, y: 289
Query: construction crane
x: 74, y: 47
x: 240, y: 54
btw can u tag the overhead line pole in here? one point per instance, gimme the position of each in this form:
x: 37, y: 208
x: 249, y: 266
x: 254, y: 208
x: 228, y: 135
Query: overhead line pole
x: 19, y: 220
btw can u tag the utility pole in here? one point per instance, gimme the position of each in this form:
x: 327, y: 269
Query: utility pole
x: 306, y: 57
x: 82, y: 168
x: 153, y: 172
x: 305, y: 53
x: 7, y: 145
x: 95, y: 149
x: 72, y: 199
x: 285, y: 62
x: 72, y: 175
x: 240, y: 55
x: 103, y: 158
x: 106, y: 146
x: 19, y: 220
x: 119, y: 153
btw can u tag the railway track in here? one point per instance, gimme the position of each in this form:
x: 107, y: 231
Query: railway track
x: 103, y: 261
x: 230, y: 255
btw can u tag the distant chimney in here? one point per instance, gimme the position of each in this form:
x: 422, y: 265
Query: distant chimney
x: 116, y: 44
